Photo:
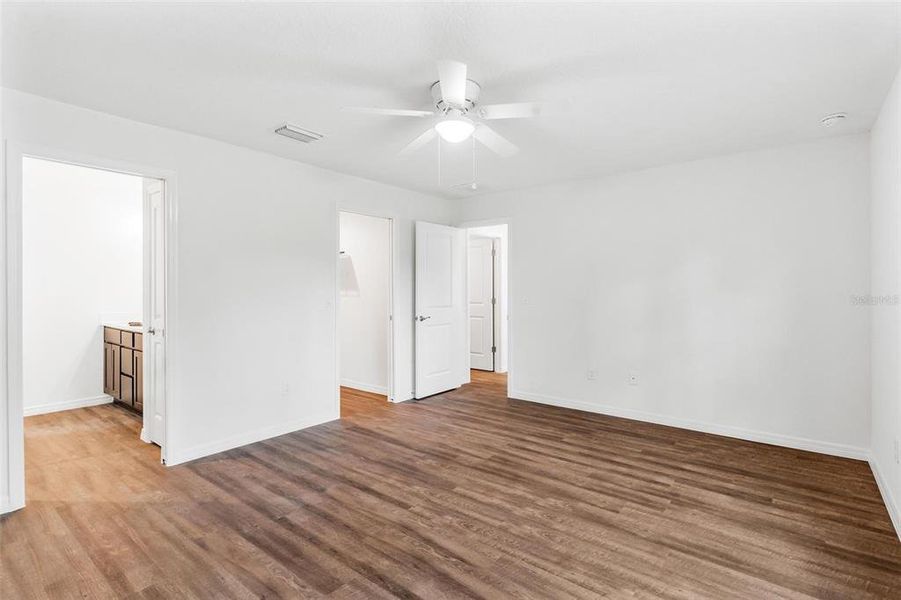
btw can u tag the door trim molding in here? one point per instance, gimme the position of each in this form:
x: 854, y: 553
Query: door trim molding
x: 12, y: 426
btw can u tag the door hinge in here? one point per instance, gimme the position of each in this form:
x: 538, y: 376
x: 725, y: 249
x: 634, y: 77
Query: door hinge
x: 493, y: 252
x: 493, y: 301
x: 494, y: 348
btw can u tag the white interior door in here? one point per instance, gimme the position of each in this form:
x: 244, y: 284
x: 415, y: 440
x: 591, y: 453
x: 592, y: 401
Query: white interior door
x: 481, y: 303
x: 154, y: 312
x: 441, y: 348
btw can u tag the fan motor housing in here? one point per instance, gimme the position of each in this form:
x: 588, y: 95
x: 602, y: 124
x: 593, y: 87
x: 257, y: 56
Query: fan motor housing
x: 473, y: 90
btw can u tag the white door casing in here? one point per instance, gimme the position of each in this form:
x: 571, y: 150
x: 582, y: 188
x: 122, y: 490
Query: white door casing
x: 154, y: 312
x: 440, y: 294
x: 480, y: 283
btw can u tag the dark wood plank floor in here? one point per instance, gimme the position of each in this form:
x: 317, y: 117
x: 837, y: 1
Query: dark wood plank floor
x: 462, y: 495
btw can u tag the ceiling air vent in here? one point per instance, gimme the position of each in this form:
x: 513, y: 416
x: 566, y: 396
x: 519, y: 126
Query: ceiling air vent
x: 296, y: 133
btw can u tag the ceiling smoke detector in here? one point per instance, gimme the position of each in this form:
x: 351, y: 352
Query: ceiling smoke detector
x: 833, y: 119
x: 298, y: 133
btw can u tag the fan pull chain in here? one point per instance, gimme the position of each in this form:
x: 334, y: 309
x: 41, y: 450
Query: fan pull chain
x: 439, y: 161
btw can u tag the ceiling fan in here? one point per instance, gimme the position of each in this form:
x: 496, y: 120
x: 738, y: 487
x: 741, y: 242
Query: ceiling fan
x: 459, y: 113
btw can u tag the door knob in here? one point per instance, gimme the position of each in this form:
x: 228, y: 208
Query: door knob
x: 421, y: 318
x: 151, y: 331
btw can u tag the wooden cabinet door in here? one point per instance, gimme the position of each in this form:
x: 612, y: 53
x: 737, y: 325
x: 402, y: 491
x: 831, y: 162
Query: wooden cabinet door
x: 116, y: 374
x: 128, y: 361
x: 108, y: 368
x: 139, y: 381
x: 126, y: 388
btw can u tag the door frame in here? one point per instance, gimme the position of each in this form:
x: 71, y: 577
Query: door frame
x: 499, y: 342
x: 12, y: 425
x: 511, y: 312
x: 392, y: 322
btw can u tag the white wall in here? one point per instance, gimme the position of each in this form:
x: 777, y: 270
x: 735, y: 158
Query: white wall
x: 363, y: 318
x: 725, y: 284
x: 81, y: 261
x: 885, y: 185
x: 254, y: 316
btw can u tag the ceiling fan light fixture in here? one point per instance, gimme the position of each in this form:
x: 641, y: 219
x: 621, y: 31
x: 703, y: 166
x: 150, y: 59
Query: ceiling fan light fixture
x: 455, y: 129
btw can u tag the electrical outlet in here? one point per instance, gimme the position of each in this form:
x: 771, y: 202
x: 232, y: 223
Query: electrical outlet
x: 897, y: 452
x: 592, y: 375
x: 286, y: 389
x: 633, y: 378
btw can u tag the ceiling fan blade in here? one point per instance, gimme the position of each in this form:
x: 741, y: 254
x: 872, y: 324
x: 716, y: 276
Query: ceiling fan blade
x: 452, y: 77
x: 393, y: 112
x: 515, y: 110
x: 424, y: 138
x: 494, y: 141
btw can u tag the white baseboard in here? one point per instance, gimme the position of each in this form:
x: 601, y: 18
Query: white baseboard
x: 776, y: 439
x: 52, y: 407
x: 177, y: 457
x: 893, y: 512
x: 365, y: 387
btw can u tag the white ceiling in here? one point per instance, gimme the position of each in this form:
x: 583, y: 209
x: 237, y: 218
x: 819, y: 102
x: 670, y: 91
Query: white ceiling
x: 625, y: 86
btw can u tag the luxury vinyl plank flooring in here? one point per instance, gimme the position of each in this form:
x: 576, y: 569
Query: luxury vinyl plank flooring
x: 467, y: 494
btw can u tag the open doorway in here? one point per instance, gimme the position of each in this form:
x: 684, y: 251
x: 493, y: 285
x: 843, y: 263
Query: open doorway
x: 487, y: 289
x: 364, y: 313
x: 93, y: 292
x: 87, y: 279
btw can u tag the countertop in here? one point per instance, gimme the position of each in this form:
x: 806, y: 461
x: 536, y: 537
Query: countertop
x: 124, y: 326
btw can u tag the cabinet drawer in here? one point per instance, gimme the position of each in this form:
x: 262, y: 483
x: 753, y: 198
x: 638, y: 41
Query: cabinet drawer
x: 128, y: 339
x: 139, y: 341
x: 111, y: 335
x: 128, y: 361
x: 126, y: 386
